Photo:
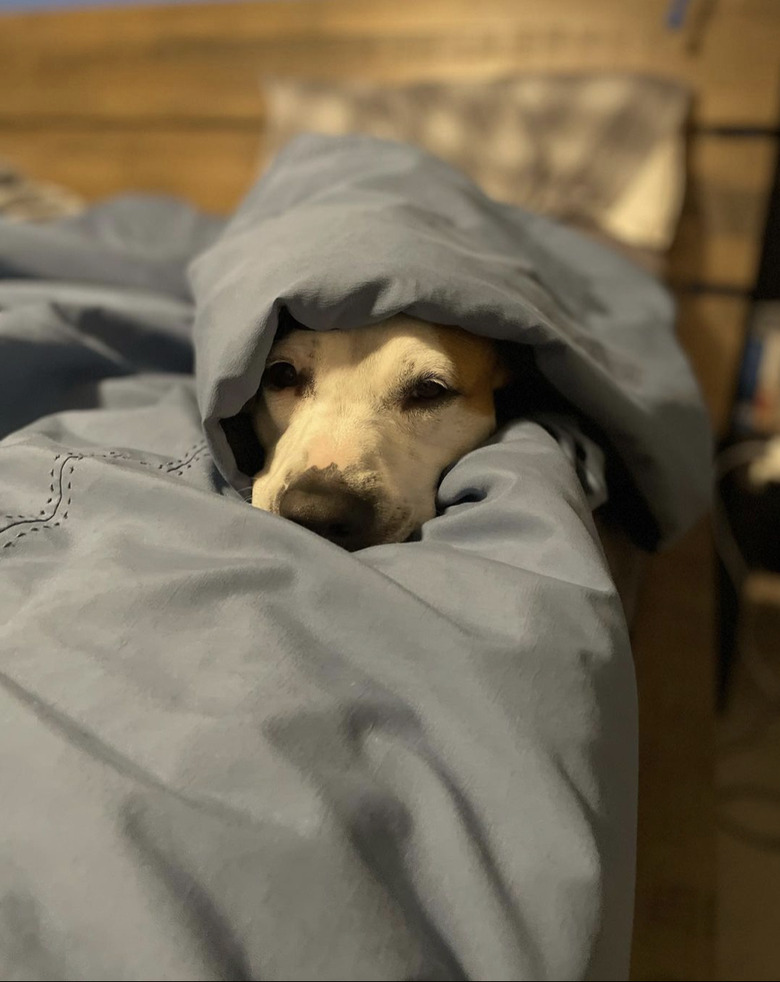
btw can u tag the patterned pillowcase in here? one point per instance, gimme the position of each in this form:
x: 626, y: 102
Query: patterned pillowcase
x: 604, y: 152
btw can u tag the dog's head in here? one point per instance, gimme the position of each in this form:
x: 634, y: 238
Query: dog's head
x: 358, y: 426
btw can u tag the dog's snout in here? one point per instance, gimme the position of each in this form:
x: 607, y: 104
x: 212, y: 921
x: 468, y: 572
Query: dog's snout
x: 327, y: 506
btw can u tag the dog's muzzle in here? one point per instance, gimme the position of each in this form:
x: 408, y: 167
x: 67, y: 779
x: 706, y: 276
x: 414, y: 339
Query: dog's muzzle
x: 322, y: 501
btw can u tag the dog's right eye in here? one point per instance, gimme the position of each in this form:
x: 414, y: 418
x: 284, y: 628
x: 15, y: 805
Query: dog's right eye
x: 427, y: 390
x: 280, y: 375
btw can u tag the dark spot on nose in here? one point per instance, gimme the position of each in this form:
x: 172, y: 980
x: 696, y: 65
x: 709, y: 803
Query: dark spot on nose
x: 321, y: 501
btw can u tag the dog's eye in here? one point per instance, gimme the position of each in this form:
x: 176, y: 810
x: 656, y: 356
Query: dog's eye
x: 428, y: 390
x: 280, y: 375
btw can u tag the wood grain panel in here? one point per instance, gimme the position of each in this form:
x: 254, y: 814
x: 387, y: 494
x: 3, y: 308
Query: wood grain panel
x: 211, y: 167
x: 205, y: 60
x: 722, y: 226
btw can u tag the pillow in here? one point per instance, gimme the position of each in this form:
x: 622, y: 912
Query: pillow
x: 604, y: 152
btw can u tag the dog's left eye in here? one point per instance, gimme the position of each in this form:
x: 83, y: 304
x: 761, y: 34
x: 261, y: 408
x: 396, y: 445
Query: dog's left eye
x: 280, y: 375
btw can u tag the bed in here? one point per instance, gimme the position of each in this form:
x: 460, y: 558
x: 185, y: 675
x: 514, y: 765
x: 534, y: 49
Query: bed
x: 237, y: 751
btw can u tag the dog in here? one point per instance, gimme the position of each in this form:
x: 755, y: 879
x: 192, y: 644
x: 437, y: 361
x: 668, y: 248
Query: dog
x: 357, y: 427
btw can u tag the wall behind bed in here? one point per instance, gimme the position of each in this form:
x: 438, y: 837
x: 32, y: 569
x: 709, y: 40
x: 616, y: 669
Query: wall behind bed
x: 168, y: 99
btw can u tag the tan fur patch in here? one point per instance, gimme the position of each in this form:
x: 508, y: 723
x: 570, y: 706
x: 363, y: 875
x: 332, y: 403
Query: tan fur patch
x: 477, y: 366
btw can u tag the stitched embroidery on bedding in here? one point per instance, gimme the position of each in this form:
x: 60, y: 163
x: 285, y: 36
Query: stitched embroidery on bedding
x: 58, y: 489
x: 55, y: 496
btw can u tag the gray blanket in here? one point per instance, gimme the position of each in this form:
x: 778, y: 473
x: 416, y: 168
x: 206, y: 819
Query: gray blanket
x: 230, y: 750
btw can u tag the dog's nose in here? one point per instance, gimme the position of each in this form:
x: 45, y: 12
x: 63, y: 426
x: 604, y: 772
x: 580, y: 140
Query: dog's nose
x: 326, y: 505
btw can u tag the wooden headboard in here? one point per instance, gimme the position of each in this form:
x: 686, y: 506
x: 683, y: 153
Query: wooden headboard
x: 168, y: 99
